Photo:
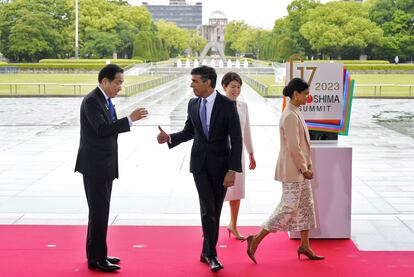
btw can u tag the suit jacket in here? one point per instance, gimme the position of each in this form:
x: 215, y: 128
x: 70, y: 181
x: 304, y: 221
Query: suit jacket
x: 222, y: 149
x: 98, y: 147
x: 294, y: 156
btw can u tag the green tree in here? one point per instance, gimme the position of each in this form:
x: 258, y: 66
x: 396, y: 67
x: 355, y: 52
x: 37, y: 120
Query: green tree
x: 232, y: 32
x: 148, y: 46
x: 196, y: 42
x: 297, y: 16
x: 396, y: 18
x: 101, y: 45
x: 117, y: 19
x: 285, y: 38
x: 246, y: 41
x: 32, y: 30
x: 131, y: 20
x: 286, y: 47
x: 176, y: 39
x: 336, y: 26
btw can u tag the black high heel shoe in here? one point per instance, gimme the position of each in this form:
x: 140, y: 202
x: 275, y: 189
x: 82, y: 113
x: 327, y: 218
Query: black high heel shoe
x: 249, y: 253
x: 309, y: 254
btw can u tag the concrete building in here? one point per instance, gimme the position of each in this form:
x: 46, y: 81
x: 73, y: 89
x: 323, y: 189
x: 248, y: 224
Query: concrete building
x: 178, y: 11
x: 214, y: 34
x: 214, y: 31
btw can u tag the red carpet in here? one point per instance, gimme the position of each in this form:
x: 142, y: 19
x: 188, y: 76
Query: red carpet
x: 174, y: 251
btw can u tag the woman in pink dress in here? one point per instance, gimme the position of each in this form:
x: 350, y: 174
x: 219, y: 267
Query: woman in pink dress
x: 232, y: 83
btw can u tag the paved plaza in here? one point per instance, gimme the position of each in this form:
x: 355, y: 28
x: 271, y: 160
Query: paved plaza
x: 39, y: 138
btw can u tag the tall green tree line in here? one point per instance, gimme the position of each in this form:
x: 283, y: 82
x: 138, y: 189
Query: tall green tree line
x: 380, y: 29
x: 31, y: 30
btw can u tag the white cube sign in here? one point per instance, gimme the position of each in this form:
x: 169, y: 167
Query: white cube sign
x: 325, y: 85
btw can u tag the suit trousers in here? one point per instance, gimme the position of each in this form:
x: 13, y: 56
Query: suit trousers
x: 211, y: 193
x: 98, y: 194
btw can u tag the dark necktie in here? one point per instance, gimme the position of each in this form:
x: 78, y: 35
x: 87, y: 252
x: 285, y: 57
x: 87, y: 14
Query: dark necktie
x: 112, y: 110
x: 203, y: 116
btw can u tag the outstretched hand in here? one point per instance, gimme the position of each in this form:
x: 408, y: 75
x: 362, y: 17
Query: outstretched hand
x: 162, y: 137
x: 138, y: 113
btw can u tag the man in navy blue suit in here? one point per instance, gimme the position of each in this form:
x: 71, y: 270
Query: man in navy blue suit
x: 213, y: 124
x: 98, y: 159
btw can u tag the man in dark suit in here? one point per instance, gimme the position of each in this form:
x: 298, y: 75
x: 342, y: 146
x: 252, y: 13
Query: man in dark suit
x: 213, y: 123
x: 98, y: 159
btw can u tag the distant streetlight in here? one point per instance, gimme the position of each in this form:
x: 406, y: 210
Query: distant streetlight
x: 76, y: 31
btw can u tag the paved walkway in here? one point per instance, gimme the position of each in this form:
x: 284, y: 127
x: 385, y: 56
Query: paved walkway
x: 39, y: 140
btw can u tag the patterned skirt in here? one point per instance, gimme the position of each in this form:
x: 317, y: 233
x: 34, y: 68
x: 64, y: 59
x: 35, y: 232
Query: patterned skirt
x: 295, y: 211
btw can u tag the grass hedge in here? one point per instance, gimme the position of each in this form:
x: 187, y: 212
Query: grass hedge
x: 346, y: 62
x: 96, y: 66
x: 167, y: 61
x: 256, y: 61
x: 70, y: 65
x: 379, y: 66
x: 90, y: 61
x: 354, y: 61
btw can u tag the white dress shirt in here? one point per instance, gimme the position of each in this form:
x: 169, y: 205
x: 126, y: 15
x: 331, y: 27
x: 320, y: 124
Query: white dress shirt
x: 209, y: 106
x: 107, y: 102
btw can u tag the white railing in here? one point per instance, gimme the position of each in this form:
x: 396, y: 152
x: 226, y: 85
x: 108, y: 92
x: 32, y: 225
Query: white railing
x: 138, y: 87
x: 360, y: 90
x: 56, y: 89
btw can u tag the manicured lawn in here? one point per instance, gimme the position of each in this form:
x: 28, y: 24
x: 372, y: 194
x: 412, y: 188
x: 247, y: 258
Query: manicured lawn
x: 61, y: 84
x: 364, y: 79
x: 266, y: 80
x: 384, y: 79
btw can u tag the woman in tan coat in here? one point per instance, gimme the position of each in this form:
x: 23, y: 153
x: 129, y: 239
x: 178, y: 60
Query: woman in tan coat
x: 295, y: 211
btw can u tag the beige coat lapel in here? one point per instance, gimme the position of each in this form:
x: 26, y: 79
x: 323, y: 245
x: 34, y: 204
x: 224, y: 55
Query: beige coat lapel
x: 305, y: 128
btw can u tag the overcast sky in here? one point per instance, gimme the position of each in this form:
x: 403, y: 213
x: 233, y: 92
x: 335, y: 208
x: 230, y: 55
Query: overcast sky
x: 257, y: 13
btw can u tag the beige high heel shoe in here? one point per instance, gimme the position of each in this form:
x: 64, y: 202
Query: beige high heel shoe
x: 235, y: 233
x: 309, y: 254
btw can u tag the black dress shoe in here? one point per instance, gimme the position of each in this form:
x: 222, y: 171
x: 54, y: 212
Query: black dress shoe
x: 214, y: 263
x: 203, y: 259
x: 113, y: 260
x: 103, y: 265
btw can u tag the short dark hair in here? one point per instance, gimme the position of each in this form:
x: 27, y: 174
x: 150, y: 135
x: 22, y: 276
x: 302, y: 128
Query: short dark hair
x: 206, y: 73
x: 296, y: 84
x: 230, y: 77
x: 109, y: 72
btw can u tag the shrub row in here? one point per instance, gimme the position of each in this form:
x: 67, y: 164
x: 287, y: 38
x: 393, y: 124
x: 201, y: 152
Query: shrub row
x: 87, y: 66
x: 354, y: 61
x: 90, y: 61
x: 257, y: 61
x: 379, y: 66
